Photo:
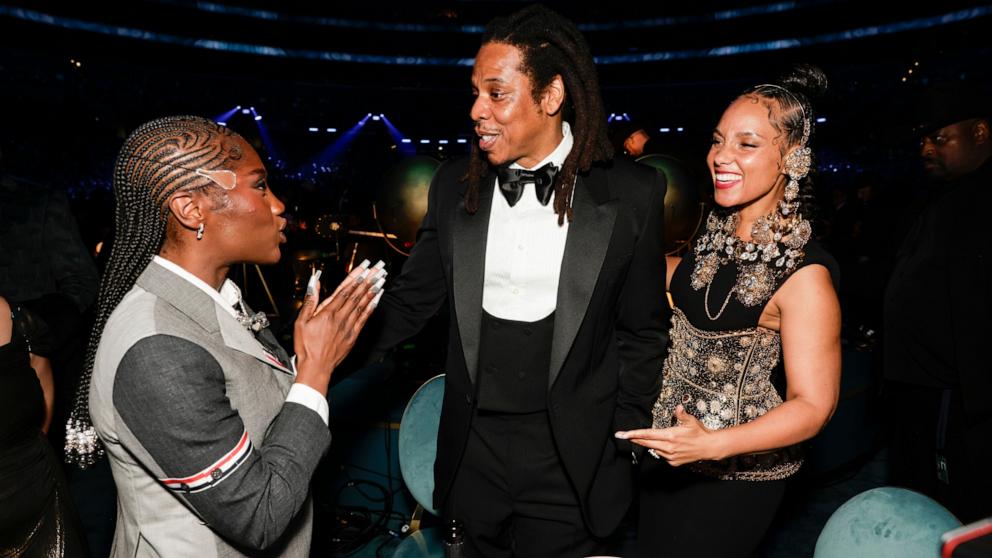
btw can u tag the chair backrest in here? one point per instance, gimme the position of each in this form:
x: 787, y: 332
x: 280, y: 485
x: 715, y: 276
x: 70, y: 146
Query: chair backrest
x: 418, y: 441
x: 886, y: 522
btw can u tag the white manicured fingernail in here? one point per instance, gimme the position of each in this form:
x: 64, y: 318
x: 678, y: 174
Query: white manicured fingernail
x: 378, y: 285
x: 375, y: 301
x: 312, y: 284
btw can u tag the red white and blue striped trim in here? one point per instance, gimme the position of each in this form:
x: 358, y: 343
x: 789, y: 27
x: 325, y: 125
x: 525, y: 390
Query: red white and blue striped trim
x: 273, y: 359
x: 215, y: 473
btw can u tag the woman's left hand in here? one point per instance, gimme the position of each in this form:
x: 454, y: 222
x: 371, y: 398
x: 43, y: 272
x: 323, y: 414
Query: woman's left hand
x: 687, y: 442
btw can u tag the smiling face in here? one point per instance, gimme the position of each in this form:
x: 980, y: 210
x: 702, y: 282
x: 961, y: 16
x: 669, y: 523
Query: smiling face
x: 510, y: 124
x: 247, y: 226
x: 746, y: 156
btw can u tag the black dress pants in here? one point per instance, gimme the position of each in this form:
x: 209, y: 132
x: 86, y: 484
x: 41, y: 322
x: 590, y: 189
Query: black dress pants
x: 686, y: 514
x: 512, y: 493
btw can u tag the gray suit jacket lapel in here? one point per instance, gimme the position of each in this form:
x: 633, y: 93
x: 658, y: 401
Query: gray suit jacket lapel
x: 202, y: 309
x: 588, y: 238
x: 468, y: 264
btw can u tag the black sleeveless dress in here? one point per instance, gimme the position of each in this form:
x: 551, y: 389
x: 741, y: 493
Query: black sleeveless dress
x: 724, y: 371
x: 37, y: 517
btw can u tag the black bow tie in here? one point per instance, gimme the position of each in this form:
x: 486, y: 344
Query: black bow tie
x: 511, y: 182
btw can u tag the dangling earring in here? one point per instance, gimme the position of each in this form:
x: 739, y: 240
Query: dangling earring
x: 791, y: 190
x: 199, y: 232
x: 797, y: 166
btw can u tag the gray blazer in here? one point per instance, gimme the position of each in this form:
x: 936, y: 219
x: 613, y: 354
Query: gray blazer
x: 208, y: 457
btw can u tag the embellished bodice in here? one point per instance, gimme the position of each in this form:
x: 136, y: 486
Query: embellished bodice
x: 724, y: 378
x: 722, y: 366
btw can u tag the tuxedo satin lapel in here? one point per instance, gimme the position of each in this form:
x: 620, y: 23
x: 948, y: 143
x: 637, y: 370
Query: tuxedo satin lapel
x: 589, y: 236
x: 468, y: 264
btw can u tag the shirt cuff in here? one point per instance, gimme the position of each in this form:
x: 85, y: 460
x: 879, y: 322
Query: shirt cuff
x: 310, y: 398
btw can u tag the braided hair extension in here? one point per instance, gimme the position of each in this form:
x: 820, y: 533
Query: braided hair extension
x: 550, y: 46
x: 790, y: 110
x: 156, y: 160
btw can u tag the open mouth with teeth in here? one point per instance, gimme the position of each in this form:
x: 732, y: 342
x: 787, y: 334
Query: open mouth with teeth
x: 486, y: 141
x: 727, y: 180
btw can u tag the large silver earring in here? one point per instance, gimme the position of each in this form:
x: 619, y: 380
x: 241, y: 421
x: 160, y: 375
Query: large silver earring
x: 798, y: 162
x: 797, y: 165
x: 791, y: 190
x: 199, y: 232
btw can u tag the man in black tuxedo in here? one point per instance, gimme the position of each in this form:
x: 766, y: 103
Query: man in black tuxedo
x: 557, y: 309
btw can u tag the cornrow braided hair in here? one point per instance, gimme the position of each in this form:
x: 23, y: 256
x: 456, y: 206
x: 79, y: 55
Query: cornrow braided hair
x: 550, y: 46
x: 158, y: 159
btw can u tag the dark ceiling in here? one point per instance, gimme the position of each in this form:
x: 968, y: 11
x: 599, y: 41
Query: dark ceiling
x: 667, y: 64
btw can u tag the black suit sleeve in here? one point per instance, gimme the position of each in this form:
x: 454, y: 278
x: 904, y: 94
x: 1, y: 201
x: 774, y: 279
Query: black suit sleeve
x: 421, y: 289
x: 172, y: 398
x: 642, y: 325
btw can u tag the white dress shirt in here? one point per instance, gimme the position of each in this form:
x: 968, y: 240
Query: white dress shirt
x: 230, y: 295
x: 524, y: 250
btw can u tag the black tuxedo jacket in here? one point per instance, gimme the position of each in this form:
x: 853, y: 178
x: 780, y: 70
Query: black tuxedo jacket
x: 610, y: 332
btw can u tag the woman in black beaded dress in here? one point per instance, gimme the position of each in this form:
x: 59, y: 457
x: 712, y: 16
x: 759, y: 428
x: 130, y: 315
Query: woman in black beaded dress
x: 36, y: 513
x: 754, y: 365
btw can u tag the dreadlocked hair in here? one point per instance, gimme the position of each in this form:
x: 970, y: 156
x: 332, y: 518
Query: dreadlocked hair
x: 550, y: 46
x: 790, y: 109
x: 156, y: 160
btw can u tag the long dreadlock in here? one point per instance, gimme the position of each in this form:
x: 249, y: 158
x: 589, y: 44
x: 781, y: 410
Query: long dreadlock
x: 551, y: 45
x: 157, y: 160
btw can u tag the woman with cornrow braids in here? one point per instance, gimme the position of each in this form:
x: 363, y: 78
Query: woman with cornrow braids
x: 212, y: 431
x: 550, y: 255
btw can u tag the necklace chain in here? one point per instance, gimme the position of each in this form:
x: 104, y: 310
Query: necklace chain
x: 775, y: 250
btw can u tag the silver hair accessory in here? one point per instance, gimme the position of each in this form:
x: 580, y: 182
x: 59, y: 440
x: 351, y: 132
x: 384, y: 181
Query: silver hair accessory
x: 224, y: 178
x: 798, y: 162
x: 82, y: 446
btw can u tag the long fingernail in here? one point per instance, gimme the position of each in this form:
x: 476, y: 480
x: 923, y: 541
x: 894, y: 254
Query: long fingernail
x: 621, y: 435
x: 363, y: 276
x: 378, y: 285
x: 312, y: 284
x: 379, y: 265
x: 375, y: 301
